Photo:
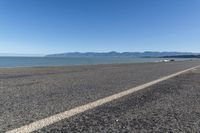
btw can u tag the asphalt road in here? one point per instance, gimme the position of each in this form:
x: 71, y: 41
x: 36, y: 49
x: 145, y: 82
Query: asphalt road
x: 30, y: 94
x: 169, y: 106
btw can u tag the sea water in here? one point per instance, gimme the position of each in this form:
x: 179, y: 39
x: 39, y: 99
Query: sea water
x: 69, y: 61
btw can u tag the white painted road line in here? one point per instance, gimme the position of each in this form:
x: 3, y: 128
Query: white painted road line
x: 77, y: 110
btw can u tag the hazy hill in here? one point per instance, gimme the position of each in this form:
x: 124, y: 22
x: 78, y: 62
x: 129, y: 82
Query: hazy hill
x: 122, y: 54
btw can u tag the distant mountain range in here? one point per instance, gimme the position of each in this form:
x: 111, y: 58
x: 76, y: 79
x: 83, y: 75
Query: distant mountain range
x: 122, y: 54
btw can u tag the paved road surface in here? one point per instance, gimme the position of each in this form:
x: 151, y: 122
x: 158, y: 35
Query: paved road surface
x: 30, y: 94
x: 170, y: 106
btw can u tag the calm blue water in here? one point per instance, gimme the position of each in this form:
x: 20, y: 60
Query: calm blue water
x: 68, y: 61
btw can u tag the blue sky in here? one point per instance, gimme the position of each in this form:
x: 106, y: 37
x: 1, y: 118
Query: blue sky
x: 56, y: 26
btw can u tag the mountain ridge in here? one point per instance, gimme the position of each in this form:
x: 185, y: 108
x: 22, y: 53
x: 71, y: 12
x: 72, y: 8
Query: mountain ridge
x: 120, y: 54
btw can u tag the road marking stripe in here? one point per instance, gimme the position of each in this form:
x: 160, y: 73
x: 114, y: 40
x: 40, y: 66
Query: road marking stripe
x: 80, y: 109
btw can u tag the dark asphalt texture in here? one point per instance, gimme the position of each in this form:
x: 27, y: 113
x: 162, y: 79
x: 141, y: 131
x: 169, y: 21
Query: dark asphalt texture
x: 170, y: 106
x: 30, y: 94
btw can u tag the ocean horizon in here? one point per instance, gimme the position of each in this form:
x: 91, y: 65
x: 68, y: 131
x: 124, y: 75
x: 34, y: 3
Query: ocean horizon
x: 10, y: 62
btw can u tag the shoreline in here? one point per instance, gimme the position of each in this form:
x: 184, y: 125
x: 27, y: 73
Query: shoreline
x: 21, y: 62
x: 79, y: 65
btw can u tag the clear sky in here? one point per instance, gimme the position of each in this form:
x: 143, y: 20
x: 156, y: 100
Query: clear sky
x: 56, y: 26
